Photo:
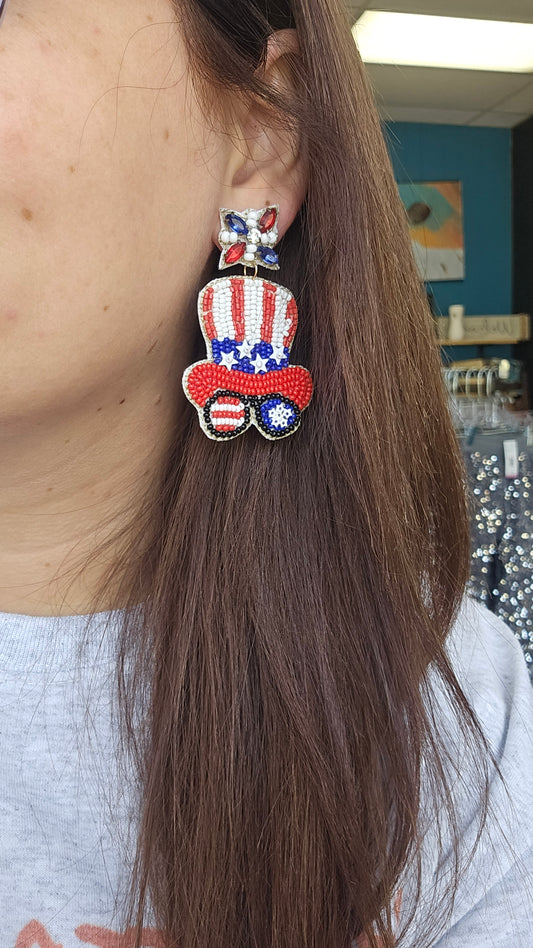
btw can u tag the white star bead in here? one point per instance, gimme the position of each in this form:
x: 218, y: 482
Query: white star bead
x: 245, y: 349
x: 278, y: 353
x: 259, y: 363
x: 227, y: 359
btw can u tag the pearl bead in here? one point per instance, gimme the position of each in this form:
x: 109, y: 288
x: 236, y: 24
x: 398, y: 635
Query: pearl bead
x: 251, y: 248
x: 249, y: 256
x: 225, y: 237
x: 264, y: 238
x: 233, y: 238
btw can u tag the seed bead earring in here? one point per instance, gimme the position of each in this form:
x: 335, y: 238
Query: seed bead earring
x: 248, y: 324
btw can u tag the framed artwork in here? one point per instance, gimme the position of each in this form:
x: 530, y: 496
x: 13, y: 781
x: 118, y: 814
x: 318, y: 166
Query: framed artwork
x: 435, y: 214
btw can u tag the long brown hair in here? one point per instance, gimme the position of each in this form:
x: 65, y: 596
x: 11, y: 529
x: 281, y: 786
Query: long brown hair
x: 294, y: 594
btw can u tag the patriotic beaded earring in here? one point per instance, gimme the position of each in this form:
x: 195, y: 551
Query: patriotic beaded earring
x: 248, y: 324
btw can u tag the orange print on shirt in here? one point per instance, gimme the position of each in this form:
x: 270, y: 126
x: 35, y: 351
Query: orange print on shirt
x: 35, y: 934
x: 104, y: 938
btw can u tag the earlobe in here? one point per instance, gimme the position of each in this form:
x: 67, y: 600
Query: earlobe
x: 266, y: 164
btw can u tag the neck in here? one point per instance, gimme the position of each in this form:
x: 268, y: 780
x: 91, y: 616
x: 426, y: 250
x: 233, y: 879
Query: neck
x: 70, y: 483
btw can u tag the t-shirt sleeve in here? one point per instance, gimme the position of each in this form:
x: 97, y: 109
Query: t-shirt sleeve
x: 493, y: 907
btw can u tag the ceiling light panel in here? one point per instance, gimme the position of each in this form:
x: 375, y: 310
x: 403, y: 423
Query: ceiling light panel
x: 446, y: 42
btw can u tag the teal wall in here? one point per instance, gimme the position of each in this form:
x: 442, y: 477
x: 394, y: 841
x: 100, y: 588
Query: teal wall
x: 481, y: 159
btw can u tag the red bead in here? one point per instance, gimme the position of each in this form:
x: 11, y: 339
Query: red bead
x: 267, y: 220
x: 234, y: 253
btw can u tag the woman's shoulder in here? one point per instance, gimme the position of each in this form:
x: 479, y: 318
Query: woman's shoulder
x: 491, y: 669
x: 493, y: 905
x: 489, y: 663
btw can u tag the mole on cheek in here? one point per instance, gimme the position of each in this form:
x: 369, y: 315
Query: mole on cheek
x: 27, y: 214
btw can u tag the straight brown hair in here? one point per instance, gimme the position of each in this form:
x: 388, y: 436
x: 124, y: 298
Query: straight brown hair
x: 274, y: 681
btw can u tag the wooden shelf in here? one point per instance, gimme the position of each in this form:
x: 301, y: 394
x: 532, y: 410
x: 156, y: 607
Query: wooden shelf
x: 486, y: 330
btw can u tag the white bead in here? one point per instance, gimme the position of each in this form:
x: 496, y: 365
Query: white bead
x: 272, y: 237
x: 264, y: 238
x: 225, y: 237
x: 233, y: 237
x: 252, y: 216
x: 251, y: 248
x: 249, y: 256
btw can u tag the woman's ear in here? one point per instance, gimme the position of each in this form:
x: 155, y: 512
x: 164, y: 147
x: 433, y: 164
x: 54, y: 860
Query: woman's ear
x: 265, y: 163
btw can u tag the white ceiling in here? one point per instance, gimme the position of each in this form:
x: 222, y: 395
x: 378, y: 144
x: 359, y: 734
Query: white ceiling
x: 450, y: 96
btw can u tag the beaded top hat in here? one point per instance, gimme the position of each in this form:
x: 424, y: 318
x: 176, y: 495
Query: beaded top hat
x: 248, y: 324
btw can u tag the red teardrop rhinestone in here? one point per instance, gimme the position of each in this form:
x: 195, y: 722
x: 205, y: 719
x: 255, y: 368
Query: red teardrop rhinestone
x: 234, y: 253
x: 267, y: 220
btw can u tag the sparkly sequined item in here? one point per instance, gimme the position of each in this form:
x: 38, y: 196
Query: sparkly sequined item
x: 502, y: 533
x: 248, y: 325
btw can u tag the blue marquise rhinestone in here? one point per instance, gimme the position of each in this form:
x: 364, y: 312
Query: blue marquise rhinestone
x: 236, y: 224
x: 268, y: 255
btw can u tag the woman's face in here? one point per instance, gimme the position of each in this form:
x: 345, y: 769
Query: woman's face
x: 108, y: 186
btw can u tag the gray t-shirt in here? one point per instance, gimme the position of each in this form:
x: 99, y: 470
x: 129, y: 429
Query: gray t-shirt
x: 67, y: 812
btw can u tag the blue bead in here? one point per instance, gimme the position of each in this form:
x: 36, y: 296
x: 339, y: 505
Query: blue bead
x: 268, y: 255
x: 236, y: 224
